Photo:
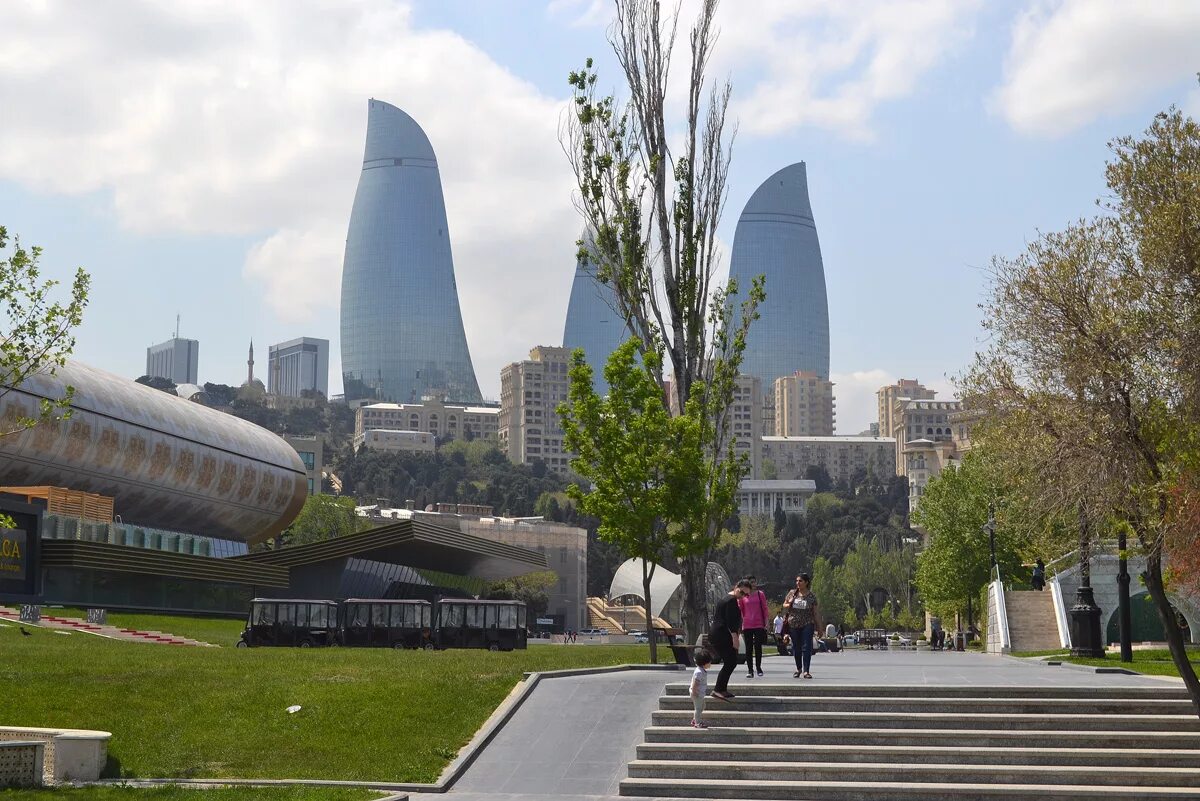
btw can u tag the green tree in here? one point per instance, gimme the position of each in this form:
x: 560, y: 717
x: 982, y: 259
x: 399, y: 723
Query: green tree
x: 953, y: 511
x: 38, y: 333
x: 323, y: 518
x: 532, y: 589
x: 1092, y: 380
x: 652, y: 214
x: 638, y: 459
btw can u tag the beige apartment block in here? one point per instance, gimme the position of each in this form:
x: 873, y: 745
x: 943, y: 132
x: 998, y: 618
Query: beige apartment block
x: 396, y: 441
x: 804, y: 406
x: 746, y: 419
x: 905, y: 389
x: 841, y: 457
x: 530, y: 392
x: 921, y: 420
x: 434, y: 416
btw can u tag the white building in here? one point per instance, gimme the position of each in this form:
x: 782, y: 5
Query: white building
x: 760, y: 497
x: 396, y: 441
x: 841, y: 457
x: 176, y: 360
x: 298, y: 365
x: 433, y: 416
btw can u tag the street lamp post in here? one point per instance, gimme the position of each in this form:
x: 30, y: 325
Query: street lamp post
x: 990, y: 528
x: 1085, y: 615
x: 1123, y: 614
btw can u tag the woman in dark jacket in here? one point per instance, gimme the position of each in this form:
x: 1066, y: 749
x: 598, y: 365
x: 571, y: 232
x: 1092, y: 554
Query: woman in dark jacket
x: 725, y: 636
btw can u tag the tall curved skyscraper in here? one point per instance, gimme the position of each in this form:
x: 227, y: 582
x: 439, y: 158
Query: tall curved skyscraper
x: 776, y: 237
x: 593, y: 322
x: 402, y: 329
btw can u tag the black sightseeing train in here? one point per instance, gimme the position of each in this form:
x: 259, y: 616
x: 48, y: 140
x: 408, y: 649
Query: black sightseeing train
x: 383, y: 623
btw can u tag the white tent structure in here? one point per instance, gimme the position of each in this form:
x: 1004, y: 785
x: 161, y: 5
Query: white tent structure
x: 628, y: 581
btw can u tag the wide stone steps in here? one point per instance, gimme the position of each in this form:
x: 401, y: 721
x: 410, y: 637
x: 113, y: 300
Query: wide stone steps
x: 967, y: 738
x: 797, y: 689
x: 807, y: 741
x: 925, y: 754
x: 932, y: 720
x: 895, y: 790
x: 957, y: 706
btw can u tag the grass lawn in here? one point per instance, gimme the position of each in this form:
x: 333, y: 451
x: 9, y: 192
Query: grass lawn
x: 1030, y: 654
x: 367, y: 714
x: 1153, y: 662
x: 185, y: 794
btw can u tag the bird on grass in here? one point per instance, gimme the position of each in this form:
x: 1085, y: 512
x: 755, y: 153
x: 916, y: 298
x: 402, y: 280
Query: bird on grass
x: 25, y: 633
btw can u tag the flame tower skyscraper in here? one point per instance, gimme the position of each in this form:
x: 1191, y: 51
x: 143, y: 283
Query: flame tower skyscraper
x: 777, y: 237
x: 402, y: 328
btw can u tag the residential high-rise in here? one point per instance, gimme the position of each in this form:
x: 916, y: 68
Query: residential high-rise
x: 530, y: 392
x: 298, y: 366
x: 889, y: 411
x: 593, y: 321
x: 176, y: 360
x: 777, y: 238
x: 402, y: 328
x: 804, y: 405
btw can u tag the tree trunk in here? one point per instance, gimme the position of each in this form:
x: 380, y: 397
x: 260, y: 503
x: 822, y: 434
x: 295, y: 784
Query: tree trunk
x: 647, y: 574
x: 1154, y: 583
x: 694, y: 597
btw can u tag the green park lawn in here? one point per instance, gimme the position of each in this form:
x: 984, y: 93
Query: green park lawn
x: 1153, y: 662
x: 185, y: 794
x: 367, y: 714
x: 218, y: 631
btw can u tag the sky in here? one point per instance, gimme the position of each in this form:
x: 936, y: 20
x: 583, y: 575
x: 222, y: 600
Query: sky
x: 199, y: 157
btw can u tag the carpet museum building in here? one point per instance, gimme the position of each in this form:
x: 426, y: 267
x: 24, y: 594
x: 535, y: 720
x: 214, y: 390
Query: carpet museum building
x: 143, y: 500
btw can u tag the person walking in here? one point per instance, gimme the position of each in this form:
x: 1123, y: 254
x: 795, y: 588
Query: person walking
x: 1039, y: 575
x: 803, y: 620
x: 725, y: 634
x: 755, y: 614
x: 777, y: 627
x: 698, y: 689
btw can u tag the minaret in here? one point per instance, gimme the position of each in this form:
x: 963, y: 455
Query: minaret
x: 250, y: 365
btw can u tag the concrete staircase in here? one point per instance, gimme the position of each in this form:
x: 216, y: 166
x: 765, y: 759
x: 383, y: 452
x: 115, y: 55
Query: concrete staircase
x: 1032, y: 624
x: 812, y: 742
x: 602, y: 615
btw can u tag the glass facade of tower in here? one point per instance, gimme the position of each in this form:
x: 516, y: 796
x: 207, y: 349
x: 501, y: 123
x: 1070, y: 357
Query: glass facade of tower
x: 776, y: 237
x: 593, y: 322
x: 402, y: 329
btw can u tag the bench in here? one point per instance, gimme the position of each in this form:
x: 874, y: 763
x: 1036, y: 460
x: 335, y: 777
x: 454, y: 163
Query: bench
x: 70, y: 755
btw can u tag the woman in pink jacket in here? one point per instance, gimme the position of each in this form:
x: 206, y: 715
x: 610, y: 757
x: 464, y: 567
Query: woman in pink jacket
x: 755, y: 617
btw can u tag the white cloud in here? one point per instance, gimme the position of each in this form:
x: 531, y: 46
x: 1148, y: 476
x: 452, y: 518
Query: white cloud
x: 855, y: 394
x: 1073, y: 61
x: 248, y: 119
x: 814, y: 63
x: 830, y: 65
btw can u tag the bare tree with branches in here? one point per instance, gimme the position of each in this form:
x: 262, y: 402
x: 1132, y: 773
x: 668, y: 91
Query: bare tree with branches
x: 651, y: 214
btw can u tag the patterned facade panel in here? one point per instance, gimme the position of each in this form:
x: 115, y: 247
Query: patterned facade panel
x: 166, y: 461
x: 776, y: 237
x: 401, y: 325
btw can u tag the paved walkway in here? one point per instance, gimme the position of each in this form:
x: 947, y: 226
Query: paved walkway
x: 573, y: 737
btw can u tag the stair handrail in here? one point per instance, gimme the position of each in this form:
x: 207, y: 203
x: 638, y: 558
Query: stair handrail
x: 1060, y: 612
x: 1071, y: 558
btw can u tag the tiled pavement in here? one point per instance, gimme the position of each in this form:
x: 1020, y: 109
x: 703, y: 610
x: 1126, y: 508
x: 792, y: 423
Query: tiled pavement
x: 573, y: 737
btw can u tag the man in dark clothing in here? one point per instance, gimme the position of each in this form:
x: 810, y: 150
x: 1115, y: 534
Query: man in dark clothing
x: 725, y: 635
x: 1039, y: 575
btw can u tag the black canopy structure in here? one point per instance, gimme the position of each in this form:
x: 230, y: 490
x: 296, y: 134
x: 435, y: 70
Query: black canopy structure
x: 417, y: 544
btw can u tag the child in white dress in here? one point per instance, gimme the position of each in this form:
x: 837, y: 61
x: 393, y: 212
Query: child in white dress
x: 699, y: 687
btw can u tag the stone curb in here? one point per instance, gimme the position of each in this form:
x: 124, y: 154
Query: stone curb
x: 450, y: 775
